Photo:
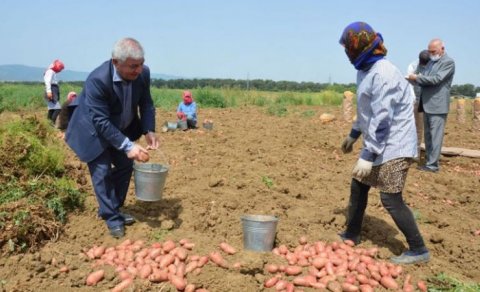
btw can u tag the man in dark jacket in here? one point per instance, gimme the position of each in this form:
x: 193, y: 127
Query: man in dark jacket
x: 106, y: 123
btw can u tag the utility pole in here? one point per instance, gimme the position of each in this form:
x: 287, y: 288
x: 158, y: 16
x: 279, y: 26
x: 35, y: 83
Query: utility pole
x: 248, y: 80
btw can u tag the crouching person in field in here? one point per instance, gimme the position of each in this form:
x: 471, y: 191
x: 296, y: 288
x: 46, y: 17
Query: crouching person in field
x: 385, y: 119
x: 187, y: 110
x: 114, y: 109
x: 66, y: 111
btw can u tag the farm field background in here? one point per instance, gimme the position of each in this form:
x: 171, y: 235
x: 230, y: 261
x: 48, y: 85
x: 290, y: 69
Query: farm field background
x: 263, y: 156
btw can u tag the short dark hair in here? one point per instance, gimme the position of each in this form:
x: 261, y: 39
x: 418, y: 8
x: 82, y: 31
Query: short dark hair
x: 423, y: 57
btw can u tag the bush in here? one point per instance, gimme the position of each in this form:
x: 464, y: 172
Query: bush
x: 207, y: 97
x: 278, y: 110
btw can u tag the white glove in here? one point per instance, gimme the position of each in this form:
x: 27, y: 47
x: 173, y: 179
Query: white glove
x: 362, y: 168
x: 347, y: 145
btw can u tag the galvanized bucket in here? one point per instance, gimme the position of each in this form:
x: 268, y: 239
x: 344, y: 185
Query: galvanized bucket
x: 182, y: 125
x: 259, y: 232
x: 208, y: 125
x: 149, y: 181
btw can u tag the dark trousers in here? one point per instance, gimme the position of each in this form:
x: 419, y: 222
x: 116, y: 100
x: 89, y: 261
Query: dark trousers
x: 396, y: 207
x: 53, y: 114
x: 111, y: 173
x: 191, y: 123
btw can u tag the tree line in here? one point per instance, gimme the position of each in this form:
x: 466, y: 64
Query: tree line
x: 468, y: 90
x: 255, y: 84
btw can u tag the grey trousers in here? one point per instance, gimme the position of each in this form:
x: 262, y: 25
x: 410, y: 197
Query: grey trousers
x: 434, y: 127
x: 419, y: 125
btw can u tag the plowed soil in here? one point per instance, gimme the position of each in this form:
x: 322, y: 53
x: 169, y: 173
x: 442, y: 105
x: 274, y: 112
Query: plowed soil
x: 255, y: 163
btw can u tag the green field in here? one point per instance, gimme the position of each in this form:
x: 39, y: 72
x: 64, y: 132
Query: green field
x: 23, y: 96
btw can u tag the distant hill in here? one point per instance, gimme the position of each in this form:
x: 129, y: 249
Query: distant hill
x: 32, y: 74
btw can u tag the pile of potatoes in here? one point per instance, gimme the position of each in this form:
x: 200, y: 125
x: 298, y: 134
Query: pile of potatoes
x: 336, y: 266
x: 161, y: 262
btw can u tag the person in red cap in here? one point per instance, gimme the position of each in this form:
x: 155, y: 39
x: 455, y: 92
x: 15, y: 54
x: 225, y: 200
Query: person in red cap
x: 187, y: 110
x: 52, y: 91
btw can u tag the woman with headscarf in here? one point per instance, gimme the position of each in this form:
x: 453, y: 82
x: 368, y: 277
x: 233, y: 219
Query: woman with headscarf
x: 52, y: 91
x: 385, y: 119
x: 187, y: 110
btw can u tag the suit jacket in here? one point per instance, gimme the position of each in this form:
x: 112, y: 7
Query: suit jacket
x: 94, y: 125
x: 436, y: 82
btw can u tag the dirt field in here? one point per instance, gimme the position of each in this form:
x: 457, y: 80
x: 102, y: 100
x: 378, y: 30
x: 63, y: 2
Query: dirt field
x: 217, y: 176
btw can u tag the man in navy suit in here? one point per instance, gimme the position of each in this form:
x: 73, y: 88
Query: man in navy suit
x: 114, y: 109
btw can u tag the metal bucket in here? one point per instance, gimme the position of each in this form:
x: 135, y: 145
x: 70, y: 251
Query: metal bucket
x: 182, y: 125
x: 208, y: 126
x: 149, y: 181
x: 169, y: 127
x: 259, y: 232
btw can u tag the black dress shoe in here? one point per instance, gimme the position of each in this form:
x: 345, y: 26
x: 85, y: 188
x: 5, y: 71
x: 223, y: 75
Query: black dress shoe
x: 424, y: 168
x: 127, y: 218
x: 117, y: 231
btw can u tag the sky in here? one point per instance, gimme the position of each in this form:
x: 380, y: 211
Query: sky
x: 294, y: 40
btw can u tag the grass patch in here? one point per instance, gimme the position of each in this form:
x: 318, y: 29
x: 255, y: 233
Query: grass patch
x: 36, y: 195
x: 308, y: 113
x: 443, y: 282
x: 267, y: 181
x: 279, y: 110
x: 160, y: 234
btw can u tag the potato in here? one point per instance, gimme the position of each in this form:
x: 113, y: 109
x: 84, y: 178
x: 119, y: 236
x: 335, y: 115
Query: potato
x: 227, y: 248
x: 217, y: 258
x: 349, y: 242
x: 366, y: 288
x: 181, y: 253
x: 301, y: 281
x: 271, y: 268
x: 191, y: 266
x: 158, y: 276
x: 145, y: 271
x: 388, y: 282
x: 181, y: 268
x: 154, y: 252
x: 303, y: 240
x: 178, y: 282
x: 168, y: 246
x: 362, y: 279
x: 281, y: 285
x: 334, y: 286
x: 202, y: 261
x: 167, y: 260
x: 408, y: 288
x: 95, y: 277
x: 293, y: 270
x: 190, y: 288
x: 123, y: 275
x: 270, y: 282
x: 422, y: 286
x: 348, y: 287
x: 189, y: 245
x: 143, y: 156
x: 99, y: 251
x: 283, y: 249
x: 122, y: 285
